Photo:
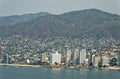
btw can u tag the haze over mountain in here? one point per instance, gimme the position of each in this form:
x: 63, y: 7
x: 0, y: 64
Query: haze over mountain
x: 77, y: 24
x: 11, y: 20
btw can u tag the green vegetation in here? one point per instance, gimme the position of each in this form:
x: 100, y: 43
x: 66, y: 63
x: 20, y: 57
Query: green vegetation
x: 77, y: 24
x: 113, y: 62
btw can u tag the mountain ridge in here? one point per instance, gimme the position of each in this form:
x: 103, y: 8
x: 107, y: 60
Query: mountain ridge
x: 14, y: 19
x: 77, y: 24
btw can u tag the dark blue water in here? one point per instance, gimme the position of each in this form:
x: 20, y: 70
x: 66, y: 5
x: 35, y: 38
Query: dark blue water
x: 56, y: 73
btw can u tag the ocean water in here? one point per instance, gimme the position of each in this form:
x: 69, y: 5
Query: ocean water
x: 56, y: 73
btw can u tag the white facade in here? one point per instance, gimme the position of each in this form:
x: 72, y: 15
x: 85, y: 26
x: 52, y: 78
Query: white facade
x: 27, y: 61
x: 55, y: 58
x: 82, y: 56
x: 96, y: 60
x: 105, y: 60
x: 68, y: 56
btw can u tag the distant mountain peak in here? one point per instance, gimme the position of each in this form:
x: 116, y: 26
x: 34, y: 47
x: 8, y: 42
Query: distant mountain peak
x: 93, y: 10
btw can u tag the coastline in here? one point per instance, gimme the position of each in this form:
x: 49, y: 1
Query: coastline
x: 26, y: 65
x: 20, y: 65
x: 112, y: 68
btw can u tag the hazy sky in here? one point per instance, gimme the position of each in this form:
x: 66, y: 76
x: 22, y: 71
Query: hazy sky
x: 15, y: 7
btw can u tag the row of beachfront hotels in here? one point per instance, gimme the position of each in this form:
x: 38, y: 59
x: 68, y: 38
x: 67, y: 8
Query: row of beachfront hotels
x: 82, y: 57
x: 109, y: 56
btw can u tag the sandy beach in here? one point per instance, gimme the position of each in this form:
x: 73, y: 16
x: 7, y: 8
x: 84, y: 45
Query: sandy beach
x: 20, y: 65
x: 26, y: 65
x: 113, y: 68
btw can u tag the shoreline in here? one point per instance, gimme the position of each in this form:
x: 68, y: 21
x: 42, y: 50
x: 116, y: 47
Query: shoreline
x: 26, y: 65
x: 112, y: 68
x: 20, y: 65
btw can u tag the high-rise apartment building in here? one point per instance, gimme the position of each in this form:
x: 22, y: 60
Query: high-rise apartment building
x: 68, y: 56
x: 76, y: 57
x: 55, y: 58
x: 44, y: 57
x: 105, y: 60
x: 119, y: 58
x: 82, y: 56
x: 96, y: 60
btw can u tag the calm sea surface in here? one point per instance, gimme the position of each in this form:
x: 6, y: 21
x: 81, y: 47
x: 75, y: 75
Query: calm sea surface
x: 56, y: 73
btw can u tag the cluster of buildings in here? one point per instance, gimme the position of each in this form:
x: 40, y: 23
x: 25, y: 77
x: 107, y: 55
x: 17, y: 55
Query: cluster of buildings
x: 109, y: 56
x: 69, y: 58
x: 76, y: 57
x: 59, y: 51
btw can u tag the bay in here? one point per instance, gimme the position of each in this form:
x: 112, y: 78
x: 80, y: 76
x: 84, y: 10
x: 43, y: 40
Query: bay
x: 56, y: 73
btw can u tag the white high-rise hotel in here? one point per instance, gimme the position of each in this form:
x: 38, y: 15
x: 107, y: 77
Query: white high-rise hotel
x: 82, y: 56
x: 55, y: 58
x: 79, y: 57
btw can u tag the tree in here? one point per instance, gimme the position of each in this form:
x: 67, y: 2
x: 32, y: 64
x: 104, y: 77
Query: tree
x: 100, y: 64
x: 113, y: 61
